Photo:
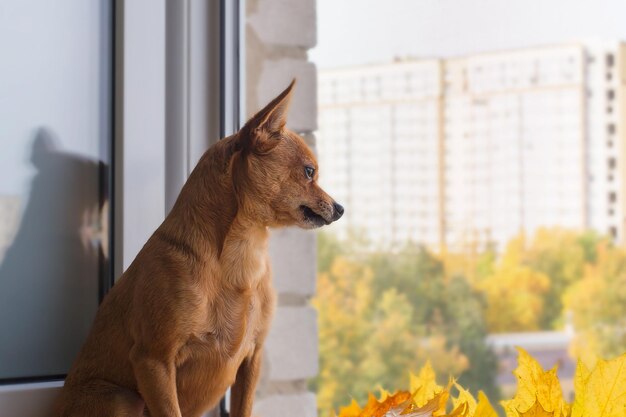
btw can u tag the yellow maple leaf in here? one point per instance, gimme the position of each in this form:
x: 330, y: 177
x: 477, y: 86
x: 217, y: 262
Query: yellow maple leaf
x: 384, y: 394
x: 441, y: 399
x: 462, y: 410
x: 550, y: 394
x: 484, y: 407
x: 464, y: 405
x: 509, y: 409
x: 436, y: 406
x: 534, y: 385
x: 601, y: 392
x: 353, y: 410
x: 580, y: 381
x: 424, y: 386
x: 536, y: 410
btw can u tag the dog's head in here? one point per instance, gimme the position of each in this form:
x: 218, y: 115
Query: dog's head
x: 275, y: 173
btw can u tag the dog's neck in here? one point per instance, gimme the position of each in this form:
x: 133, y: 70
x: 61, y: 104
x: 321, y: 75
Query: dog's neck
x: 244, y: 254
x: 206, y: 217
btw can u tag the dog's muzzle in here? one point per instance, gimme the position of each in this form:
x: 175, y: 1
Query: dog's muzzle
x: 327, y: 213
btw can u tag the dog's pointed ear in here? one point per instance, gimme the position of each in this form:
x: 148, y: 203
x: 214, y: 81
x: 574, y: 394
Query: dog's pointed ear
x: 273, y: 117
x: 268, y: 123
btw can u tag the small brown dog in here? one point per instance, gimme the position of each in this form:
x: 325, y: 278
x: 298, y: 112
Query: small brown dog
x: 188, y: 318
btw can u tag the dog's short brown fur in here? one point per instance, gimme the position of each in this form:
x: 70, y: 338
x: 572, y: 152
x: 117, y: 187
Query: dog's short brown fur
x: 188, y: 318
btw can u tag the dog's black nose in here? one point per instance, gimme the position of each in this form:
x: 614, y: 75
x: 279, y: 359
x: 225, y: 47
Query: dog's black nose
x: 338, y: 211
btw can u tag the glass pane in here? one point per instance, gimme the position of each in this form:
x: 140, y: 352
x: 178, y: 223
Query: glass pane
x: 479, y: 157
x: 55, y: 132
x: 478, y: 150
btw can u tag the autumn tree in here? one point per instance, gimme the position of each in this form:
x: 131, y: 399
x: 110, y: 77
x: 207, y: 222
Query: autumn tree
x: 445, y: 306
x: 343, y: 301
x: 598, y: 305
x: 383, y: 313
x: 561, y: 255
x: 514, y: 293
x: 467, y: 329
x: 525, y: 285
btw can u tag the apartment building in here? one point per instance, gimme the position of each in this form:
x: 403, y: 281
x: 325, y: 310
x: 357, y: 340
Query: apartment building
x: 379, y: 148
x: 470, y: 151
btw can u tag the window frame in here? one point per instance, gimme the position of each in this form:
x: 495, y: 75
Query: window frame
x: 203, y: 36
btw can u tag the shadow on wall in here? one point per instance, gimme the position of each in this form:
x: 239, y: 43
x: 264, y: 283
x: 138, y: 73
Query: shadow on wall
x: 48, y: 287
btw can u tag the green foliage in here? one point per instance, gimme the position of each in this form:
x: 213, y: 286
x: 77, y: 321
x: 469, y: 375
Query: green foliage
x: 328, y: 248
x: 467, y: 329
x: 561, y: 255
x: 598, y: 305
x: 384, y: 313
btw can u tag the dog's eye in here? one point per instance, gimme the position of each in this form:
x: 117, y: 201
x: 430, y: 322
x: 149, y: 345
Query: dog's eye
x: 309, y: 172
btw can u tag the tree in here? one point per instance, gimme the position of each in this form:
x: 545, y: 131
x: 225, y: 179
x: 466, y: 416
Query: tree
x: 514, y: 298
x: 382, y: 314
x: 343, y: 303
x: 466, y: 328
x: 449, y: 307
x: 598, y: 305
x: 561, y: 255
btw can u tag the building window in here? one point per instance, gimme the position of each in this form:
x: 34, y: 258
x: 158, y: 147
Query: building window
x: 612, y: 197
x: 610, y: 94
x: 610, y: 128
x: 611, y: 163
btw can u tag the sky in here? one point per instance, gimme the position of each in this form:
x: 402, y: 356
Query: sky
x: 364, y: 31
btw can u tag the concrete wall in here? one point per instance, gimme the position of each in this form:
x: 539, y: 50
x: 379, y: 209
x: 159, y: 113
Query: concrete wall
x: 278, y: 35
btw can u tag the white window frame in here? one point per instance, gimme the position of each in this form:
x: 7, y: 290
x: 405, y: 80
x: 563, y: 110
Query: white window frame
x: 178, y: 77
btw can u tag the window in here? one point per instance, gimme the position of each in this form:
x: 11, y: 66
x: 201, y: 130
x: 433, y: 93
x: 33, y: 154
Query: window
x: 55, y: 181
x: 610, y: 94
x: 94, y: 150
x: 516, y: 171
x: 611, y: 129
x: 612, y: 197
x: 612, y: 163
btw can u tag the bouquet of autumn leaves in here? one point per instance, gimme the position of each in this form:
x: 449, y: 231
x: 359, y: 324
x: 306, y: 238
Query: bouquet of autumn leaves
x: 599, y: 392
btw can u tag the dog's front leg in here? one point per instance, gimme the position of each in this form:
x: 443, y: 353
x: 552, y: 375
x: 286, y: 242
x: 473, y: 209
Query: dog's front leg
x: 242, y: 392
x: 156, y: 380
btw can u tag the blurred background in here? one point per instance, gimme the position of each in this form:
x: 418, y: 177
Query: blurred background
x: 478, y: 148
